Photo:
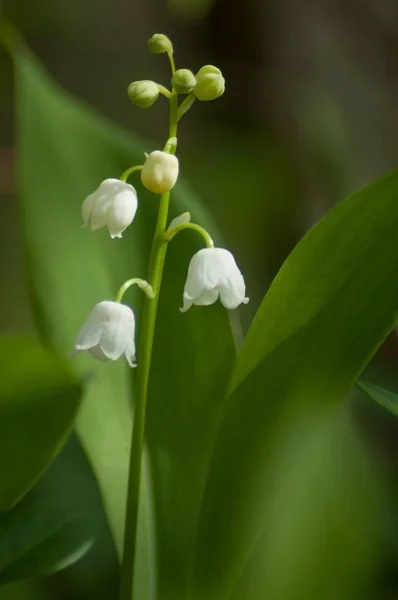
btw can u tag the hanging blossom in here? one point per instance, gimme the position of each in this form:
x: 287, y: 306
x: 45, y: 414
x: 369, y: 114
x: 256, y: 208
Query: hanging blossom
x: 112, y: 205
x: 108, y: 333
x: 213, y: 273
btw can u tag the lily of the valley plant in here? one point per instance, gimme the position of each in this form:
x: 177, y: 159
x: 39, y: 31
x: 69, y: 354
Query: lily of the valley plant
x: 109, y: 331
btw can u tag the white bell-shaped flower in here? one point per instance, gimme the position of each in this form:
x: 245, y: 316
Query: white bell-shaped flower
x: 213, y: 273
x: 112, y: 205
x: 108, y: 333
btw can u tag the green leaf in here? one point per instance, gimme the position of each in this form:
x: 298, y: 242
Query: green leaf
x: 330, y: 307
x: 65, y: 152
x: 386, y: 399
x: 319, y: 514
x: 39, y: 398
x: 38, y: 539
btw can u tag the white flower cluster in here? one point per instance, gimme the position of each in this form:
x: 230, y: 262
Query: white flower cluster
x: 213, y: 273
x: 109, y: 330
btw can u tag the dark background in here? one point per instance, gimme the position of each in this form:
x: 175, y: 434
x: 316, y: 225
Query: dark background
x: 310, y: 114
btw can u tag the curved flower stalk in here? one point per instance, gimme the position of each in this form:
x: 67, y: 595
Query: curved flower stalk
x: 108, y: 333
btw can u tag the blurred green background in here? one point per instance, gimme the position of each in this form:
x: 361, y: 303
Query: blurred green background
x: 308, y: 117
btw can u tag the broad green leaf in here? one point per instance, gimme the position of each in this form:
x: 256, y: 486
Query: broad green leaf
x: 39, y: 399
x: 37, y: 539
x: 328, y: 310
x: 319, y: 515
x: 65, y: 152
x: 386, y: 399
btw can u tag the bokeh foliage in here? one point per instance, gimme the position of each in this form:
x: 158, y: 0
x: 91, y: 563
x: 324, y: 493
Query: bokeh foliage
x: 79, y: 149
x: 39, y: 400
x: 280, y: 457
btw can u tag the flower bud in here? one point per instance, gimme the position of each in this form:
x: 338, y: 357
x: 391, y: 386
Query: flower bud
x: 160, y: 171
x: 143, y: 93
x: 183, y: 81
x: 160, y: 43
x: 210, y: 84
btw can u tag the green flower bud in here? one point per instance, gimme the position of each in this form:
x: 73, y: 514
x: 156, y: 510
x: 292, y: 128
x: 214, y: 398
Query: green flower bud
x: 210, y: 84
x: 160, y: 43
x: 183, y: 81
x: 143, y: 93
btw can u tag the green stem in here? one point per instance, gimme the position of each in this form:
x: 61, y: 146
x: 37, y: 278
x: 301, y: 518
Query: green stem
x: 186, y: 105
x: 173, y: 119
x: 126, y: 174
x: 142, y: 284
x: 163, y: 90
x: 170, y: 233
x: 171, y: 145
x: 156, y: 265
x: 171, y: 59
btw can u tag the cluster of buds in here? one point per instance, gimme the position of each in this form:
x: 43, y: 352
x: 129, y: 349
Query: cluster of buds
x: 213, y: 274
x: 207, y: 84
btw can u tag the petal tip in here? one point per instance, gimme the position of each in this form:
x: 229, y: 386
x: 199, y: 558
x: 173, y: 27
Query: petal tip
x: 130, y: 361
